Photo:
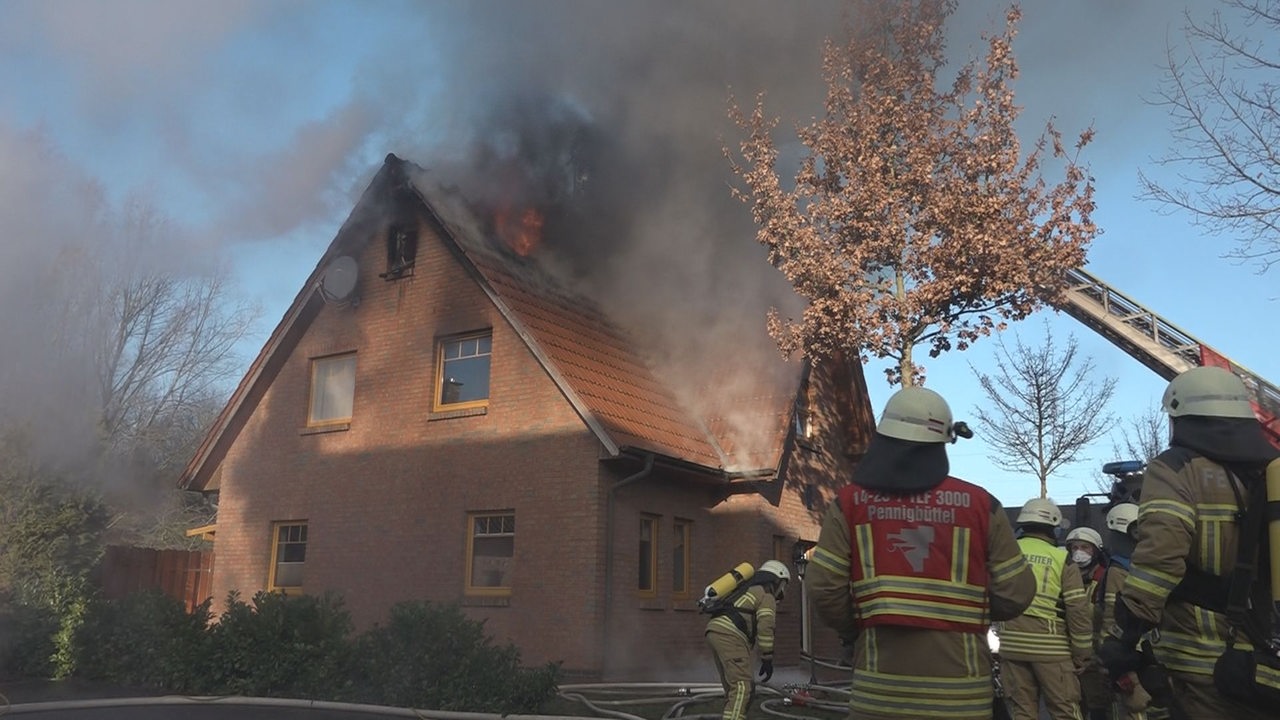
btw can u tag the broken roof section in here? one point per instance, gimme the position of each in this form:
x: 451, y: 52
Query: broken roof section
x: 596, y: 364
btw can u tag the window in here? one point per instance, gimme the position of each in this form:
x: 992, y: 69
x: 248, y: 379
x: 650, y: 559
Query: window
x: 463, y: 375
x: 648, y: 559
x: 402, y: 251
x: 288, y: 556
x: 682, y: 531
x: 491, y: 544
x: 782, y: 550
x: 333, y: 389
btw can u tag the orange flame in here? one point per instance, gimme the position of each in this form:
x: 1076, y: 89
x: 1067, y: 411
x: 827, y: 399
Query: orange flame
x: 521, y: 232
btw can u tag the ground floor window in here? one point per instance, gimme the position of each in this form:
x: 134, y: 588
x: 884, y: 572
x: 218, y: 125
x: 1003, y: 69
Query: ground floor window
x: 288, y: 555
x: 491, y: 544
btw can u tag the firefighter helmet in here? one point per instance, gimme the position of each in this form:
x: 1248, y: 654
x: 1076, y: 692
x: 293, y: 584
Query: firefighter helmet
x: 1086, y: 534
x: 1121, y: 516
x: 776, y: 569
x: 1207, y: 391
x: 916, y: 414
x: 1040, y: 511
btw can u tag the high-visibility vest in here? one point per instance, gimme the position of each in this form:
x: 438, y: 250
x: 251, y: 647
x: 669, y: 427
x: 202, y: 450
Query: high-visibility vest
x: 1047, y: 562
x: 920, y: 560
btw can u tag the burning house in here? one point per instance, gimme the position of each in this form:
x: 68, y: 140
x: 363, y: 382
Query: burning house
x: 440, y: 416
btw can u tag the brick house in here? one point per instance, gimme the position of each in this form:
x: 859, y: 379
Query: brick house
x: 434, y: 419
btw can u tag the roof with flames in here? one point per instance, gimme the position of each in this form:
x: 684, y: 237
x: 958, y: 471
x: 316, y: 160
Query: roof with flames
x: 600, y: 369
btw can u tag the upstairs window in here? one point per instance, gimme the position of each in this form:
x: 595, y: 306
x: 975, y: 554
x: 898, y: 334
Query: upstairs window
x: 333, y: 388
x: 462, y: 378
x: 491, y: 545
x: 402, y: 251
x: 288, y: 556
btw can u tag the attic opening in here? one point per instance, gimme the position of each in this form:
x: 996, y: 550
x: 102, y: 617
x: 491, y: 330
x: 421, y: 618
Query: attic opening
x: 402, y: 251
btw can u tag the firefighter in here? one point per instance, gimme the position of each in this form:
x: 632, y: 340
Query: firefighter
x: 1043, y: 650
x: 913, y: 565
x: 1129, y: 703
x: 1187, y: 539
x: 731, y: 634
x: 1085, y: 550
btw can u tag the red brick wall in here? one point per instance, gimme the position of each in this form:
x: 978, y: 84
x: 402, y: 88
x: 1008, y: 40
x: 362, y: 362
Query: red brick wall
x: 386, y: 500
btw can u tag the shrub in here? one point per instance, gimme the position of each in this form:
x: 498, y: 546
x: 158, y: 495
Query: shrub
x: 26, y: 641
x: 145, y: 640
x: 430, y: 656
x: 280, y: 646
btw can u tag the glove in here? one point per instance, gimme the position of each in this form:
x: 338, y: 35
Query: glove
x: 766, y: 669
x: 1118, y: 658
x: 1156, y: 681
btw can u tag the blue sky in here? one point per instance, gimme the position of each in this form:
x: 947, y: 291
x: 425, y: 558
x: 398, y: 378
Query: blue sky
x: 254, y: 126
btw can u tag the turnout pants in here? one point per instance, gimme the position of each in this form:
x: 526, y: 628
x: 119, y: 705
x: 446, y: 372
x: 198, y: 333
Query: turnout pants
x: 733, y: 662
x: 1025, y: 683
x: 1195, y: 698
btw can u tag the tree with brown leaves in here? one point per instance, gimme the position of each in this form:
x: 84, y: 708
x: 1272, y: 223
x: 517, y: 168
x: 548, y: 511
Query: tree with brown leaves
x: 915, y: 217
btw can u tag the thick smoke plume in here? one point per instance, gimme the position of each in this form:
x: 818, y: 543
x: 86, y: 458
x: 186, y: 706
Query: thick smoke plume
x: 611, y: 119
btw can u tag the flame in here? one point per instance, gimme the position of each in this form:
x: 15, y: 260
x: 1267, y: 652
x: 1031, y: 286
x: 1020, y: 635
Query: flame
x: 521, y: 231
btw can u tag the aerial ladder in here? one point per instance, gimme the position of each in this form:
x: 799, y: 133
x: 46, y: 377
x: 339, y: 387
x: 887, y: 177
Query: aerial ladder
x: 1158, y: 343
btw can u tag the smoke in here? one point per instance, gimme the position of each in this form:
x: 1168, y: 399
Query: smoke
x: 612, y: 119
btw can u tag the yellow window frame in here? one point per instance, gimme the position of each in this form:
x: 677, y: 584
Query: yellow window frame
x: 311, y: 394
x: 275, y: 555
x: 437, y: 402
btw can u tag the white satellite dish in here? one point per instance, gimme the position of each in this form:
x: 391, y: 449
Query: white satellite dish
x: 339, y: 278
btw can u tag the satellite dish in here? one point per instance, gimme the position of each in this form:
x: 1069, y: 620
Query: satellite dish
x: 340, y: 278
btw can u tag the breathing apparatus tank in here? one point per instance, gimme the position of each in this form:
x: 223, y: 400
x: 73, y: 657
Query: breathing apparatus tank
x: 1273, y: 527
x: 727, y: 582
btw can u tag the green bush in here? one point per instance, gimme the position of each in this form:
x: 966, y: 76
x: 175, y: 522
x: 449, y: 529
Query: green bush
x: 26, y: 641
x: 430, y: 656
x: 145, y: 640
x: 280, y: 646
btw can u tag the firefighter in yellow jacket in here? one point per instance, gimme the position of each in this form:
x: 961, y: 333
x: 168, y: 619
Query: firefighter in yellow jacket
x: 732, y: 632
x: 914, y: 565
x: 1187, y: 540
x: 1042, y: 651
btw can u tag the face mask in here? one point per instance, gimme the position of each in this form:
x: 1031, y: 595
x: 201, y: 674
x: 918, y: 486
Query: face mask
x: 1082, y: 558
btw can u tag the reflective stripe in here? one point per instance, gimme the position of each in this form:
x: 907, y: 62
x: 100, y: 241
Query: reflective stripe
x: 960, y: 554
x: 922, y: 586
x: 1035, y: 644
x: 829, y: 560
x: 1150, y: 582
x: 1267, y: 675
x: 1216, y: 512
x: 739, y: 699
x: 866, y: 551
x: 913, y: 696
x: 1181, y: 511
x: 1190, y: 653
x: 1006, y: 569
x: 899, y: 600
x: 904, y: 608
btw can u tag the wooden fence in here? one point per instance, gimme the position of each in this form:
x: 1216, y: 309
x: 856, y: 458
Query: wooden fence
x: 185, y: 575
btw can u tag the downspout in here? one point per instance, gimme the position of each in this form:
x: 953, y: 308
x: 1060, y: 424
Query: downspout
x: 608, y: 554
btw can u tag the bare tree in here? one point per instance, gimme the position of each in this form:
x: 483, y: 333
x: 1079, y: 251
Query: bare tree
x: 1143, y: 436
x: 915, y: 216
x: 1223, y: 95
x: 1046, y: 406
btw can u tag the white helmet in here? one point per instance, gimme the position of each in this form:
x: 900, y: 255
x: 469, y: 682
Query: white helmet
x: 1040, y: 511
x: 1121, y: 516
x: 777, y: 569
x: 916, y: 414
x: 1209, y: 392
x: 1086, y: 534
